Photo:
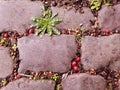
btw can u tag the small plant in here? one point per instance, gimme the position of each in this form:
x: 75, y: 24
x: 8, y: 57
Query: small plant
x: 106, y: 2
x: 14, y: 47
x: 59, y: 86
x: 80, y: 36
x: 4, y: 82
x: 4, y: 41
x: 110, y: 85
x: 35, y: 77
x: 46, y: 23
x: 54, y: 77
x: 95, y: 4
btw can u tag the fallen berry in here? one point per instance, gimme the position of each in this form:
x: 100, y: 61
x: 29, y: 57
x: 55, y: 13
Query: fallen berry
x: 78, y: 59
x: 6, y: 35
x: 74, y: 63
x: 107, y: 31
x: 76, y: 68
x: 31, y: 31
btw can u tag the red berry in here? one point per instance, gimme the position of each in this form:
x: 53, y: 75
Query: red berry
x: 78, y: 59
x: 74, y: 63
x: 107, y: 31
x: 6, y: 35
x: 76, y: 68
x: 31, y: 31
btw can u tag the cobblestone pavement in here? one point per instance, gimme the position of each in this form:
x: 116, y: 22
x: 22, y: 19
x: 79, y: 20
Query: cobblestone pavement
x: 55, y: 53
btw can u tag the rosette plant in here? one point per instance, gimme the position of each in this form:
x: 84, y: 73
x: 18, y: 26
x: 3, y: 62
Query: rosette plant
x: 46, y: 23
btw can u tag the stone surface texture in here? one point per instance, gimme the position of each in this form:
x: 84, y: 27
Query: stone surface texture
x: 83, y: 82
x: 47, y: 53
x: 16, y: 15
x: 26, y: 84
x: 101, y: 51
x: 109, y: 18
x: 72, y: 19
x: 6, y: 63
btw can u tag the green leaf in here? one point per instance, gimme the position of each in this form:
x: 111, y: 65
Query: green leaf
x: 4, y: 41
x: 55, y: 30
x: 34, y: 25
x: 13, y: 57
x: 54, y: 77
x: 43, y: 9
x: 14, y: 47
x: 59, y: 87
x: 43, y: 31
x: 92, y: 2
x: 56, y: 20
x: 49, y: 13
x: 4, y: 82
x: 92, y: 7
x: 49, y: 31
x: 95, y: 4
x: 54, y: 15
x: 38, y: 31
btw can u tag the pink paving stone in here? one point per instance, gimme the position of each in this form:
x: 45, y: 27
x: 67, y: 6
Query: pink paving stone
x: 6, y: 63
x: 83, y: 81
x: 47, y: 53
x: 16, y: 15
x: 101, y: 52
x: 26, y: 84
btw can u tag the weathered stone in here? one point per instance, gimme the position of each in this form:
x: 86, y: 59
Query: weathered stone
x: 47, y: 53
x: 26, y: 84
x: 83, y: 82
x: 6, y: 63
x: 16, y: 15
x: 101, y: 51
x: 108, y: 17
x: 72, y: 19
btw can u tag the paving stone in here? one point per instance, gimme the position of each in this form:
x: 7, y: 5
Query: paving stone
x: 18, y: 19
x: 101, y: 51
x: 46, y: 54
x: 109, y: 18
x: 72, y: 19
x: 83, y: 82
x: 6, y: 63
x: 26, y: 84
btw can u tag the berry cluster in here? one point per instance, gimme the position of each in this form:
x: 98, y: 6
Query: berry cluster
x: 75, y: 63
